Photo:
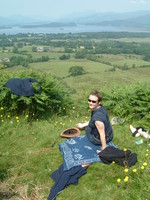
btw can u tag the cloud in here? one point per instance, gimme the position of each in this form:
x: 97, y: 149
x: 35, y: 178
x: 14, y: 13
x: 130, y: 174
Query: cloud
x: 138, y: 1
x: 133, y: 1
x: 142, y: 1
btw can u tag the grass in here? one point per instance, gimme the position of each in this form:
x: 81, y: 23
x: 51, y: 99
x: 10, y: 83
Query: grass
x: 29, y: 153
x: 97, y: 76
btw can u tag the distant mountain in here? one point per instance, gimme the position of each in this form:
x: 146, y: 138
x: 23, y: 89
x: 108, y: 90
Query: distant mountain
x: 6, y: 21
x: 138, y: 18
x: 142, y: 21
x: 92, y: 18
x: 53, y: 24
x: 16, y: 20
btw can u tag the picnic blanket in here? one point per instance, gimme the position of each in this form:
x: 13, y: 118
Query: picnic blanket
x: 78, y: 151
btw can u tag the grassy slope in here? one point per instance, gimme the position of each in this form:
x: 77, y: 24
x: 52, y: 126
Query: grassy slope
x: 29, y: 151
x: 97, y: 76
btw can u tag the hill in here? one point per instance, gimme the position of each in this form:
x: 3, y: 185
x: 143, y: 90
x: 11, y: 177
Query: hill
x: 137, y: 19
x: 142, y: 21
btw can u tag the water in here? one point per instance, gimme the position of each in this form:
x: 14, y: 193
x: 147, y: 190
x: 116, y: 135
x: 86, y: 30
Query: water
x: 71, y: 29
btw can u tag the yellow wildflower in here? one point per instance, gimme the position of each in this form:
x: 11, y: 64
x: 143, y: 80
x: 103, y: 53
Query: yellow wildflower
x: 134, y: 170
x: 126, y: 179
x: 147, y: 154
x: 145, y: 164
x: 17, y: 117
x: 118, y: 180
x: 126, y: 170
x: 142, y: 167
x: 125, y: 149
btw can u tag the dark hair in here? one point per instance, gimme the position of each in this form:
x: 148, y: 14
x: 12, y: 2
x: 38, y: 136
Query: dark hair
x: 97, y: 94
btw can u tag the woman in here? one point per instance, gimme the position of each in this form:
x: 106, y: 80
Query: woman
x: 98, y: 130
x: 84, y: 149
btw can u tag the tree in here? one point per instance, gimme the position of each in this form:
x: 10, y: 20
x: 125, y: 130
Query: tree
x: 76, y: 71
x: 20, y: 44
x: 34, y: 49
x: 146, y: 57
x: 80, y: 55
x: 44, y: 58
x: 2, y: 66
x: 3, y: 49
x: 15, y: 50
x: 64, y: 57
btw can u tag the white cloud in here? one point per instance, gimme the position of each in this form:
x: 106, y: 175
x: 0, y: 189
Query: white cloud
x: 142, y: 1
x: 133, y: 1
x: 138, y: 1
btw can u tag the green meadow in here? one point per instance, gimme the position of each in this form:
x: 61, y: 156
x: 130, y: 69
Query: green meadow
x: 29, y: 150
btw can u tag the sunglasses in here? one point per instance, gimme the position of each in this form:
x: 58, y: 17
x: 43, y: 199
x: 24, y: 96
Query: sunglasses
x: 89, y: 100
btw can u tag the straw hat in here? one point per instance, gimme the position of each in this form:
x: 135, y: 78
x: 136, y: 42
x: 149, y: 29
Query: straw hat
x: 70, y: 132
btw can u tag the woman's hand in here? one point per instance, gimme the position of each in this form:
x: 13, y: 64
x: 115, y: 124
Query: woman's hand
x: 82, y: 125
x: 79, y: 125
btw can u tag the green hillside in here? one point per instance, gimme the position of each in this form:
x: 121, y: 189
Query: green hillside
x: 117, y: 64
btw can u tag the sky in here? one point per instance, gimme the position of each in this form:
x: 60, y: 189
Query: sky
x: 58, y: 8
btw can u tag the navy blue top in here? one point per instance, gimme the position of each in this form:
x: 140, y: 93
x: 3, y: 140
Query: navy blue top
x: 22, y: 87
x: 100, y: 114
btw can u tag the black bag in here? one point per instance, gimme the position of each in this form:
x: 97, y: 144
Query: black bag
x: 124, y: 158
x: 127, y: 161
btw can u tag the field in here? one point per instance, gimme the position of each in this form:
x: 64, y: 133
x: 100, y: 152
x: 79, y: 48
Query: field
x: 29, y: 151
x: 98, y: 74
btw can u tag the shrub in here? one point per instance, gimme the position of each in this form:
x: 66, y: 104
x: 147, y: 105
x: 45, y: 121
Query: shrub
x: 130, y: 102
x: 76, y: 71
x: 55, y: 98
x: 64, y: 57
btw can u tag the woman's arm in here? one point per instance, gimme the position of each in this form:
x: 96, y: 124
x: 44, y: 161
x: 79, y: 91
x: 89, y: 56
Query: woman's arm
x: 82, y: 125
x: 101, y: 129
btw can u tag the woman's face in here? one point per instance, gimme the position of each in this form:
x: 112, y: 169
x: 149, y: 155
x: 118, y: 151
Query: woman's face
x: 93, y: 102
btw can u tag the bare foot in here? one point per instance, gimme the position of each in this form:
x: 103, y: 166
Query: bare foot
x: 98, y: 151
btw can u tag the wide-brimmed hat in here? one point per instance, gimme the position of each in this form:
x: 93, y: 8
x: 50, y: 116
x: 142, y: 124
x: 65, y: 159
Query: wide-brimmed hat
x: 70, y: 132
